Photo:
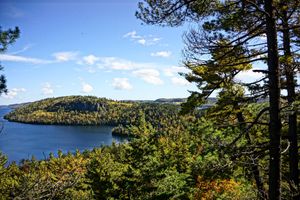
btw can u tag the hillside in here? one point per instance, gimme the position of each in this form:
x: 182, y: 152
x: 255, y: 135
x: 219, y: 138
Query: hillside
x: 89, y: 110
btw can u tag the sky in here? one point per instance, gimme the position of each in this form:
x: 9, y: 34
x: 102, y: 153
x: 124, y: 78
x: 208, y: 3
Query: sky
x: 90, y: 47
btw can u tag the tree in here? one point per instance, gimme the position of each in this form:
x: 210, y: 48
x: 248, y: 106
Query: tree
x: 288, y: 13
x: 274, y: 100
x: 6, y: 38
x: 231, y: 109
x: 239, y: 33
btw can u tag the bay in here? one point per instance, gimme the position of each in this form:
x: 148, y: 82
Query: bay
x: 22, y: 141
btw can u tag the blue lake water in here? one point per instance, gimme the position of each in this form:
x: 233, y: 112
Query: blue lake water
x: 22, y: 141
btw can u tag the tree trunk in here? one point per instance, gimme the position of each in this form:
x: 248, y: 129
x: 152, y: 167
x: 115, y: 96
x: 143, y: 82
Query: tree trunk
x: 274, y: 100
x: 291, y: 95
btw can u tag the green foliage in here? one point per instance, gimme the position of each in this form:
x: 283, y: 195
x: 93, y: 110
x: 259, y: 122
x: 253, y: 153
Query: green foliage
x: 7, y: 37
x: 169, y: 157
x: 164, y: 164
x: 56, y: 178
x: 107, y: 175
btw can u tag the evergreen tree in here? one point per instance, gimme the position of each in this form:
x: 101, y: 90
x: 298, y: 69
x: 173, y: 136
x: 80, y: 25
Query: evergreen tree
x: 288, y: 14
x: 6, y: 38
x: 239, y: 22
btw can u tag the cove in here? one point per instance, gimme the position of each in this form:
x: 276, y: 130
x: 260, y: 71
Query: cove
x: 22, y: 141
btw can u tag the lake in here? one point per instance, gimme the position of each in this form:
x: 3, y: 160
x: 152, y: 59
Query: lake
x: 22, y: 141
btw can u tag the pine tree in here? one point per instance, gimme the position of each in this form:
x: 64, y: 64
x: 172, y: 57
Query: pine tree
x: 239, y: 22
x: 6, y: 38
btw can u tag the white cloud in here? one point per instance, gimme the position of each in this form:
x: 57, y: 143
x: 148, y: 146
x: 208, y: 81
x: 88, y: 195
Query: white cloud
x: 47, y: 89
x: 20, y: 89
x: 59, y: 57
x: 121, y: 84
x: 173, y: 71
x: 249, y: 76
x: 121, y: 64
x: 90, y: 59
x: 142, y: 41
x: 132, y: 35
x: 86, y: 88
x: 155, y: 39
x: 151, y: 76
x: 107, y: 64
x: 179, y: 81
x: 163, y: 54
x: 14, y: 58
x: 65, y: 56
x: 11, y: 94
x: 145, y: 40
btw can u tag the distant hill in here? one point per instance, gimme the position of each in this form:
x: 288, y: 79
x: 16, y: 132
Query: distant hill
x: 210, y: 101
x: 171, y: 100
x: 13, y: 106
x: 89, y: 110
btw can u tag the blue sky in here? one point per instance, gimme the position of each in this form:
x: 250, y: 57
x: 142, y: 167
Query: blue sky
x: 91, y: 47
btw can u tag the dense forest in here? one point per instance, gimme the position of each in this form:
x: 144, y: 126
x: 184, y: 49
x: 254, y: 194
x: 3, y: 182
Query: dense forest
x: 171, y: 156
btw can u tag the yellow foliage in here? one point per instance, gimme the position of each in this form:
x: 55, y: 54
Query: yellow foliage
x: 212, y: 189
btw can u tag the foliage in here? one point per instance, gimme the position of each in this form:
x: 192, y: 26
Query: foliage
x: 159, y: 164
x: 7, y: 37
x: 186, y: 158
x: 225, y: 42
